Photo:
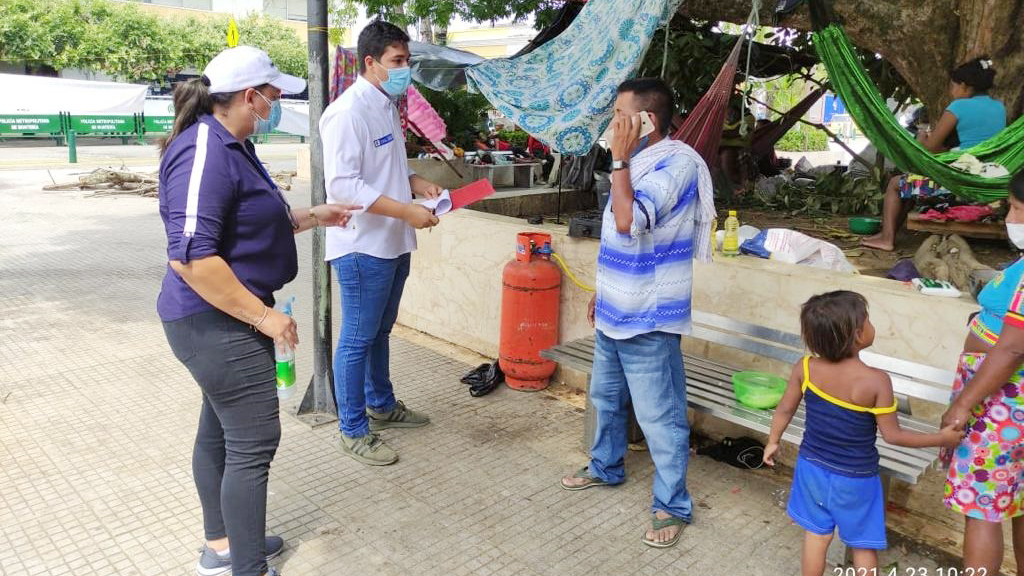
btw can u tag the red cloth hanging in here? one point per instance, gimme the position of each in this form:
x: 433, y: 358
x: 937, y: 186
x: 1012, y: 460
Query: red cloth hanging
x: 346, y: 70
x: 702, y: 128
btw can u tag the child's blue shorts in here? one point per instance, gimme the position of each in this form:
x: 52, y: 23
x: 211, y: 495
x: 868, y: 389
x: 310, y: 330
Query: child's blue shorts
x: 821, y: 501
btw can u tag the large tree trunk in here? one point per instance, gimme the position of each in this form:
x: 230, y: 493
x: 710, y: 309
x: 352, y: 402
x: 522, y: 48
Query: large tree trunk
x: 923, y: 39
x: 426, y: 30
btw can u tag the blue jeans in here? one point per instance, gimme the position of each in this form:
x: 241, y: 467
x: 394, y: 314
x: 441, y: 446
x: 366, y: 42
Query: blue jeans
x: 647, y: 369
x: 371, y: 289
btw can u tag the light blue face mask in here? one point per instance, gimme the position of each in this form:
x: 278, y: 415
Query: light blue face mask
x: 268, y: 125
x: 398, y: 81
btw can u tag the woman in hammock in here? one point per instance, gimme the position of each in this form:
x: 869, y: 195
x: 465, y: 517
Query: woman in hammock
x: 973, y: 114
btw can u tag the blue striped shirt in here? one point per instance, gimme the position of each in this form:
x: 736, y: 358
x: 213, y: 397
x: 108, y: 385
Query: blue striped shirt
x: 644, y: 277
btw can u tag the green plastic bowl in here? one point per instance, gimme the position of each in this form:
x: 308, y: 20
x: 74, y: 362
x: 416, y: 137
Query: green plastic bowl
x: 865, y: 225
x: 758, y: 389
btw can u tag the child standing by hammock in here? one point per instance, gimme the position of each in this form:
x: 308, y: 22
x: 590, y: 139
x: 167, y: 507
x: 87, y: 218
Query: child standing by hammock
x: 836, y: 482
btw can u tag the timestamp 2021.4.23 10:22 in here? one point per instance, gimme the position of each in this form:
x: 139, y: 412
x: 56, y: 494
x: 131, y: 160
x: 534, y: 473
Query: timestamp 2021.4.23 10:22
x: 897, y: 571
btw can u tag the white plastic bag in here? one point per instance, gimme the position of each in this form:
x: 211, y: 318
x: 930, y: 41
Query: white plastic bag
x: 794, y: 247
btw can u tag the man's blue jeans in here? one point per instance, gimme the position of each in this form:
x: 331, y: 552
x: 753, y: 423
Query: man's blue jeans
x: 371, y: 289
x: 647, y: 369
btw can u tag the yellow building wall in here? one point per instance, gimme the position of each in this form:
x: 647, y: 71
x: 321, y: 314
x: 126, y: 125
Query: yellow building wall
x: 486, y: 51
x: 480, y: 34
x: 486, y: 42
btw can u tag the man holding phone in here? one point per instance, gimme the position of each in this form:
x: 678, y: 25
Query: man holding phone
x: 365, y: 164
x: 659, y: 217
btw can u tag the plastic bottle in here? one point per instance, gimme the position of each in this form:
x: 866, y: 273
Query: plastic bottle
x: 731, y: 243
x: 284, y: 356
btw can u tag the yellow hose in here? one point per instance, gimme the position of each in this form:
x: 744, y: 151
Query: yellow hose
x: 568, y: 272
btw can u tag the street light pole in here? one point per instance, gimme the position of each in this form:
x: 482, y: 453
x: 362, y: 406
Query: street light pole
x: 318, y: 405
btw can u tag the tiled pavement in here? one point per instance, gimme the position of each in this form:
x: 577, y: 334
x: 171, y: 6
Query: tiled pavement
x: 97, y: 420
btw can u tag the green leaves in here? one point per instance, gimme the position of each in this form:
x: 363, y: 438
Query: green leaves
x: 516, y: 138
x: 833, y: 193
x: 288, y: 53
x: 461, y: 112
x: 442, y: 12
x: 340, y: 15
x: 803, y: 139
x: 22, y: 34
x: 129, y: 43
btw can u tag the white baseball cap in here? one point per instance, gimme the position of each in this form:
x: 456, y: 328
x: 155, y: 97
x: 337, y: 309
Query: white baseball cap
x: 244, y: 67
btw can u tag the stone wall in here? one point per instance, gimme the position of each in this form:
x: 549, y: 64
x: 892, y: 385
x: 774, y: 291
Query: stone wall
x: 455, y: 292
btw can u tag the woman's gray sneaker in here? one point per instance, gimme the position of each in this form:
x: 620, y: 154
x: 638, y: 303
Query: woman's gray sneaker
x: 213, y: 564
x: 369, y: 449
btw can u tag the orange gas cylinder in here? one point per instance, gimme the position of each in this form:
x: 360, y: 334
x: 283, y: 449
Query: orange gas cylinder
x: 529, y: 313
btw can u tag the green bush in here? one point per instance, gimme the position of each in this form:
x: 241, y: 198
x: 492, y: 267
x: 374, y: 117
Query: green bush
x: 461, y: 112
x: 803, y: 139
x: 515, y: 137
x: 128, y: 43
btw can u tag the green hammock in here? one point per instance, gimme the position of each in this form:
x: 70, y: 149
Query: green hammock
x: 868, y: 109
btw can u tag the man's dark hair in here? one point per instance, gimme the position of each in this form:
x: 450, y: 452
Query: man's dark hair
x: 829, y: 323
x: 978, y: 74
x: 654, y: 96
x: 376, y: 38
x: 1017, y: 186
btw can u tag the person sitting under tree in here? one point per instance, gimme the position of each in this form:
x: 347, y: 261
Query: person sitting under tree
x: 973, y: 114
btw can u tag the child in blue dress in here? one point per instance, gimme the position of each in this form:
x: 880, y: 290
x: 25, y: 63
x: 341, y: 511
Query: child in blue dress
x: 836, y: 483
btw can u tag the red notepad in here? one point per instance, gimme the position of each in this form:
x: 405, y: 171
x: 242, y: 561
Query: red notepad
x: 471, y: 193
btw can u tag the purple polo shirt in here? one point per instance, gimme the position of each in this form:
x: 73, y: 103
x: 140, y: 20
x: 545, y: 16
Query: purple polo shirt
x: 216, y: 198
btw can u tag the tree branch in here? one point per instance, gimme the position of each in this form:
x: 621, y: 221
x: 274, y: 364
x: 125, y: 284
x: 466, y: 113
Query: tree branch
x: 823, y: 128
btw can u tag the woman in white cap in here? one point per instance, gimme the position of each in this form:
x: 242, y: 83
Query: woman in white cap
x: 230, y: 245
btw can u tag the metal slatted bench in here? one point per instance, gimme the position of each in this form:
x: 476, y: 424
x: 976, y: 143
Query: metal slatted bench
x: 709, y: 386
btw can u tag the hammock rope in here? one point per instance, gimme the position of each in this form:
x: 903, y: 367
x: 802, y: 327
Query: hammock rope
x: 702, y: 128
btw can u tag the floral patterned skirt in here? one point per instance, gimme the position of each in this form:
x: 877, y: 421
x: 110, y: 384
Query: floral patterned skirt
x: 986, y: 471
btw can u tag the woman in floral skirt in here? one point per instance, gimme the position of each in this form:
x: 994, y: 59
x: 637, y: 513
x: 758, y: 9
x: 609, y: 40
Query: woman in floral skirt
x: 986, y: 471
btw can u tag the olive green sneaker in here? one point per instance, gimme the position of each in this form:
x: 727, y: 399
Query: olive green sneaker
x: 399, y: 417
x: 369, y: 449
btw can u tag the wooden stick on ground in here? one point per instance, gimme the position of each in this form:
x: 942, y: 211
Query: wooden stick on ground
x: 105, y: 179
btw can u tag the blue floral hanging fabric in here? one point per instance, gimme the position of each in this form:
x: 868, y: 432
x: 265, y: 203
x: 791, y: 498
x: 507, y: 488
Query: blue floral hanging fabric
x: 562, y: 93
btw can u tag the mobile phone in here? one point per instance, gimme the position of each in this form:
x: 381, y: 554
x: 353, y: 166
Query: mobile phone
x: 646, y: 124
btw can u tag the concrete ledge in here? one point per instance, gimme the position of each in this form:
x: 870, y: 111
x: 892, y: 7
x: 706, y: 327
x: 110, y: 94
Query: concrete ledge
x: 526, y: 202
x: 455, y: 292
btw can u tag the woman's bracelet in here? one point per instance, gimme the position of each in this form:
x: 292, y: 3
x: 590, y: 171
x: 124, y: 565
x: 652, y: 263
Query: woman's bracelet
x: 312, y: 216
x: 266, y: 310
